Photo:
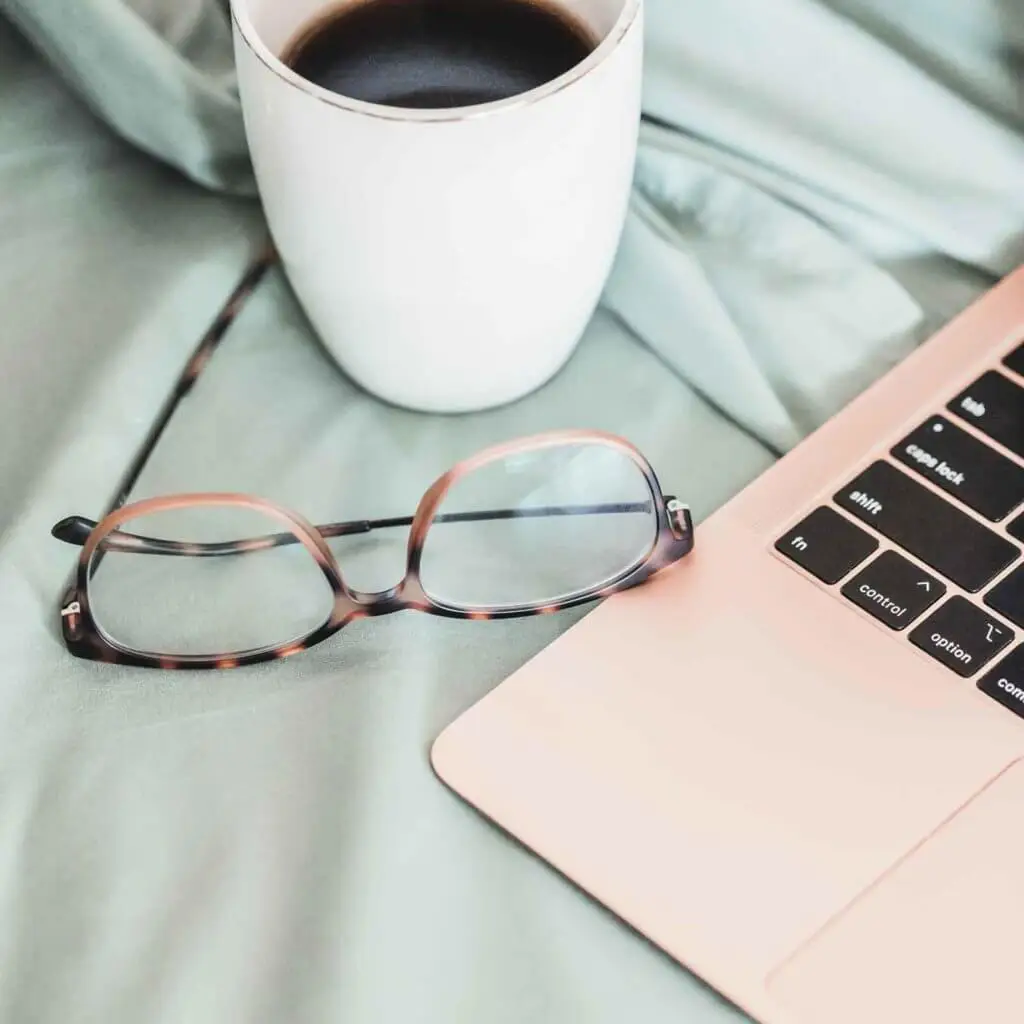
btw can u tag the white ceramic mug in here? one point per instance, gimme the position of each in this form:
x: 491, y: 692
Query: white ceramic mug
x: 449, y: 259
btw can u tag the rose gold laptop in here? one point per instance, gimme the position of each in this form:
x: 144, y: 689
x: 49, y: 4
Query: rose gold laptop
x: 795, y: 762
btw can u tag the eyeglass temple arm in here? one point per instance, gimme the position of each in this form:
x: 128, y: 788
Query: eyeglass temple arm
x: 76, y: 529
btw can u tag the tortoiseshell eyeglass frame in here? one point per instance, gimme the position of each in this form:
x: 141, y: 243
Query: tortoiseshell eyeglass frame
x: 84, y: 638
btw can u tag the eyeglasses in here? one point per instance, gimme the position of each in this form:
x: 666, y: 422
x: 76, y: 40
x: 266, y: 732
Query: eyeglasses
x: 221, y: 580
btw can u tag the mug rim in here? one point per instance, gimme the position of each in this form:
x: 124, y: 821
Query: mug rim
x: 246, y: 31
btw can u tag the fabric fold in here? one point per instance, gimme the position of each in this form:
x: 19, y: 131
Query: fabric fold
x: 771, y: 316
x: 160, y: 73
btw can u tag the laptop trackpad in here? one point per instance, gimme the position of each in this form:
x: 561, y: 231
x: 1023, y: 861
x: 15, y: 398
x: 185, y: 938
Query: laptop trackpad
x: 936, y: 939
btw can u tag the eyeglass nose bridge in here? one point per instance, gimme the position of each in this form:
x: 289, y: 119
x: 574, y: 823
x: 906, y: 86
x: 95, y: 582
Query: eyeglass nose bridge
x: 408, y: 593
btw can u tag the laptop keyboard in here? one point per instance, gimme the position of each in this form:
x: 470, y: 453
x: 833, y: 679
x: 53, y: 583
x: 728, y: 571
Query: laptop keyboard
x: 966, y: 609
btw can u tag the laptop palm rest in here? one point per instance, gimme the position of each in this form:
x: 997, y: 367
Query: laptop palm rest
x: 879, y: 959
x: 730, y: 772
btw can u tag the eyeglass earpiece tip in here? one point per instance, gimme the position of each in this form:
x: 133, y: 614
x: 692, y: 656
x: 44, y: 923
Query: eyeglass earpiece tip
x: 73, y: 530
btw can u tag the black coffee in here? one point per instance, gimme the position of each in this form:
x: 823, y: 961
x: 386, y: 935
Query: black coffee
x: 439, y: 53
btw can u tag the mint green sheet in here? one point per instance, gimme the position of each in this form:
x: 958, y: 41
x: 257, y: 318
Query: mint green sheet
x: 815, y: 194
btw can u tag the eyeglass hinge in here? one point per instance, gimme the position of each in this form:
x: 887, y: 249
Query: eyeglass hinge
x: 72, y: 609
x: 679, y: 517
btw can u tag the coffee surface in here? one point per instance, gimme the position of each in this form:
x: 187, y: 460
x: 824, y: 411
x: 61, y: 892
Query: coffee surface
x: 431, y: 54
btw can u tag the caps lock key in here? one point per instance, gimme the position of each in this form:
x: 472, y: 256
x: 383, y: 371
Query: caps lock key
x: 963, y: 466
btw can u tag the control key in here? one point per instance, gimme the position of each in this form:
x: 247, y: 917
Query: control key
x: 894, y: 590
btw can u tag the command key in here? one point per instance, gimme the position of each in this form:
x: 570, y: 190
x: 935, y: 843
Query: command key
x: 1005, y: 683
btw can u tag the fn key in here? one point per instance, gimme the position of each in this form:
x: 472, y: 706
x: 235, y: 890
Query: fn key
x: 826, y: 544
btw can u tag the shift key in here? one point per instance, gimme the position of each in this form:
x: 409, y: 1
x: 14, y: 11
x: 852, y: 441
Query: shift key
x: 928, y: 526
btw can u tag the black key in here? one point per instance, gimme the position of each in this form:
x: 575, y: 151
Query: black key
x: 1007, y: 597
x: 928, y: 526
x: 1005, y: 682
x: 1016, y: 528
x: 827, y: 545
x: 961, y: 636
x: 995, y: 405
x: 894, y: 590
x: 964, y: 467
x: 1015, y: 360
